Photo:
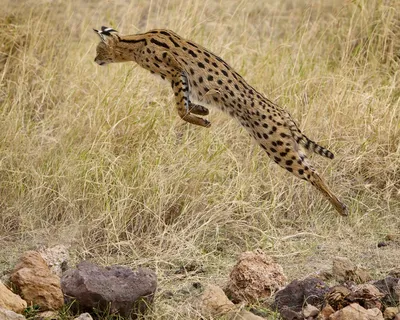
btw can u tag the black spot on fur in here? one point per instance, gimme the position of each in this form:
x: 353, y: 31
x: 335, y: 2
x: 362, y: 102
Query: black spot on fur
x: 159, y: 43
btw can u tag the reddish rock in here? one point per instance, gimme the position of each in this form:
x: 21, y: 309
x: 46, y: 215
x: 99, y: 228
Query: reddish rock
x: 325, y: 313
x: 214, y: 302
x: 115, y: 289
x: 11, y: 301
x: 356, y: 312
x: 255, y: 276
x: 35, y: 282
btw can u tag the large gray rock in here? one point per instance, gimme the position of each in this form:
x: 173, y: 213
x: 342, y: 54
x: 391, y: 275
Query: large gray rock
x: 291, y: 300
x: 115, y: 290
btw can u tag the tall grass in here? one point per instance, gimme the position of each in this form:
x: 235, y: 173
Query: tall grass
x: 99, y: 159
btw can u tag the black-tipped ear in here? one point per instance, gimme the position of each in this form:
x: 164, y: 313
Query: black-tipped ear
x: 107, y: 31
x: 107, y: 34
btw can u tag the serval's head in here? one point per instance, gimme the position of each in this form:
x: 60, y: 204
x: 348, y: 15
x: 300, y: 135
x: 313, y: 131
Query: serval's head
x: 106, y: 49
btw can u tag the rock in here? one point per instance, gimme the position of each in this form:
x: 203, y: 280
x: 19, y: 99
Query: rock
x: 356, y: 312
x: 390, y: 287
x: 367, y: 296
x: 337, y: 297
x: 47, y: 315
x: 10, y: 315
x: 84, y: 316
x: 391, y: 312
x: 56, y: 258
x: 326, y: 312
x: 395, y: 273
x: 214, y: 302
x: 290, y: 300
x: 10, y: 300
x: 310, y: 311
x: 255, y: 276
x: 243, y: 315
x: 115, y: 289
x: 288, y: 314
x: 344, y: 270
x: 38, y: 286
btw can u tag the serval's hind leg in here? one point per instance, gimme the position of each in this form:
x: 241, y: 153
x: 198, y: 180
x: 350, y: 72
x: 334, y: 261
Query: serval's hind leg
x: 302, y: 169
x: 284, y: 150
x: 317, y: 182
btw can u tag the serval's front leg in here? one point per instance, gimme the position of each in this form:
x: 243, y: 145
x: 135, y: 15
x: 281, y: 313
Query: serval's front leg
x: 198, y: 109
x: 180, y: 86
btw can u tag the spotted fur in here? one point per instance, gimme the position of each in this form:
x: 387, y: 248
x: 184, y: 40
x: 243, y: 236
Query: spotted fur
x: 198, y: 75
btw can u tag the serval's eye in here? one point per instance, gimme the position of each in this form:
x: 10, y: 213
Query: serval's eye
x: 197, y: 74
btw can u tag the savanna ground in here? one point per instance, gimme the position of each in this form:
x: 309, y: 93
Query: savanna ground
x: 97, y: 157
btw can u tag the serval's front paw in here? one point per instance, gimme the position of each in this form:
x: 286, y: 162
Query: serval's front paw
x: 207, y: 123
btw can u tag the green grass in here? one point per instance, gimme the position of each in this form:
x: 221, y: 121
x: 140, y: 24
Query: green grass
x: 99, y: 159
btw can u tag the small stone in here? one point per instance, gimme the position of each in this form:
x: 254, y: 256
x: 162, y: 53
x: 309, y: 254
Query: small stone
x: 10, y: 300
x: 47, y: 315
x: 243, y: 315
x: 255, y: 276
x: 382, y: 244
x: 289, y: 314
x: 326, y: 312
x: 214, y: 302
x: 310, y: 311
x: 116, y: 289
x: 56, y: 258
x: 38, y: 286
x: 356, y: 312
x: 337, y: 297
x: 344, y: 270
x: 391, y: 312
x: 84, y: 316
x: 367, y: 295
x: 10, y: 315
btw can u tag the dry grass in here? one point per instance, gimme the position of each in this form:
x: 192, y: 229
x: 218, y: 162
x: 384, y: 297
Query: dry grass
x: 98, y: 157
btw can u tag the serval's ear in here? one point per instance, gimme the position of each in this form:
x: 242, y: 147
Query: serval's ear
x: 107, y: 34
